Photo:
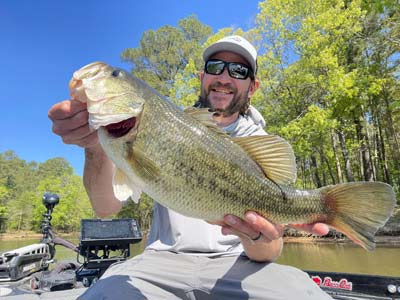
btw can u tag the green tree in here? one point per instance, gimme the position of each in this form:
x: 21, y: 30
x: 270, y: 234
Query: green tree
x: 74, y: 204
x: 142, y: 211
x: 20, y: 211
x: 339, y: 56
x: 165, y: 52
x: 57, y: 166
x: 22, y: 185
x: 3, y: 207
x: 16, y: 174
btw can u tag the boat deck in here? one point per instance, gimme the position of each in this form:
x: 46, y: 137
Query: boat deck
x: 59, y: 295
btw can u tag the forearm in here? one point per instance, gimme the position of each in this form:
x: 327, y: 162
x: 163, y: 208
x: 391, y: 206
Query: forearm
x: 97, y: 179
x: 262, y: 250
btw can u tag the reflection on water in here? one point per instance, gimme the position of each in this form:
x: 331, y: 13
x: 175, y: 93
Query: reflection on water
x: 347, y: 258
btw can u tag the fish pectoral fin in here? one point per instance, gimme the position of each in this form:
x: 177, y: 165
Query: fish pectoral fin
x: 125, y: 188
x: 143, y: 165
x: 273, y: 154
x: 205, y: 117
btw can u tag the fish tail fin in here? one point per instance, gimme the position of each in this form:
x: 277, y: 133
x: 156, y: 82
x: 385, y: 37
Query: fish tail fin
x: 359, y: 209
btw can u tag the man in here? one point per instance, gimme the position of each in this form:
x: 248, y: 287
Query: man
x: 187, y: 258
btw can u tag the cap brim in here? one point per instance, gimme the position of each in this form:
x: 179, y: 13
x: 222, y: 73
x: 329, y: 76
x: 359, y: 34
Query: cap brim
x: 230, y: 47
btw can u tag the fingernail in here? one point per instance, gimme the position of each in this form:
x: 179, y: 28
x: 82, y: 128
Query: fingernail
x: 251, y: 217
x: 231, y: 220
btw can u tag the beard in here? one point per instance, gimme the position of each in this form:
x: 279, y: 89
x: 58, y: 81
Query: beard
x: 239, y: 102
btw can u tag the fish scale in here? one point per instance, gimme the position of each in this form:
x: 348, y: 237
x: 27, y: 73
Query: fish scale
x: 201, y: 163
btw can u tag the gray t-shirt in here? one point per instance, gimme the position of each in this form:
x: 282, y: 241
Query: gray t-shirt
x: 171, y: 231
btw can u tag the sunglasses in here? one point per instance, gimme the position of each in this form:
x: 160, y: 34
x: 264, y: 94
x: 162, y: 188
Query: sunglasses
x: 236, y: 70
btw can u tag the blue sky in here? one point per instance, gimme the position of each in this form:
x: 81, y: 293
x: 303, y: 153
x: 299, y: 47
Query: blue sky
x: 43, y: 42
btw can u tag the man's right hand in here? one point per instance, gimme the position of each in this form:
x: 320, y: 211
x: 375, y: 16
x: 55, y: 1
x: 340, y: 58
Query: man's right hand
x: 70, y: 122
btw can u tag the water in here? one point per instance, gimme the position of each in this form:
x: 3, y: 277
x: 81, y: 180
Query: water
x: 347, y: 258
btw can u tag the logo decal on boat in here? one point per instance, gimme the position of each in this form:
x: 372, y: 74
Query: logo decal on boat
x: 342, y: 284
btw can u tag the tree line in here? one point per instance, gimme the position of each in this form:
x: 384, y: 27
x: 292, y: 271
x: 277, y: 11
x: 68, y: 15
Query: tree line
x: 329, y: 84
x: 22, y: 185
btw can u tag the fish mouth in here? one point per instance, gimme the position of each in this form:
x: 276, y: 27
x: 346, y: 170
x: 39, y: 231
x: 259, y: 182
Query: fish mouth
x: 90, y: 72
x: 122, y: 128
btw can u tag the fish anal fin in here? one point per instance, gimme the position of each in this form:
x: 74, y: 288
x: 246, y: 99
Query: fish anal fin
x: 124, y: 188
x: 359, y: 209
x: 273, y: 154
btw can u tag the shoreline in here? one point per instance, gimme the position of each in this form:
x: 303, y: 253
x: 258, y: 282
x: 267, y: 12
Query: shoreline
x: 382, y: 240
x: 385, y: 240
x: 9, y: 236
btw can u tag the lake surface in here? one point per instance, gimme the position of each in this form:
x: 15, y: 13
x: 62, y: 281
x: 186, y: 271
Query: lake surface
x: 335, y: 257
x: 348, y: 258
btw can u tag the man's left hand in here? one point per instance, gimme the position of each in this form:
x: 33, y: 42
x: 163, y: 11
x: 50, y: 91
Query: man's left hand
x: 262, y: 239
x: 253, y: 224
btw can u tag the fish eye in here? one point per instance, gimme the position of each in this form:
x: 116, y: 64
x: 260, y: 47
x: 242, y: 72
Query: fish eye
x: 116, y: 73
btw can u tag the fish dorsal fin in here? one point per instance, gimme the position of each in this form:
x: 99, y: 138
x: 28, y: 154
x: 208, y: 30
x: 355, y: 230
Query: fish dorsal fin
x: 125, y: 188
x: 205, y: 117
x: 273, y: 154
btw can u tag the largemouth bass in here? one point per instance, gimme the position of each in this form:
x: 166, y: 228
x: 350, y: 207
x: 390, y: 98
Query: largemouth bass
x: 183, y: 161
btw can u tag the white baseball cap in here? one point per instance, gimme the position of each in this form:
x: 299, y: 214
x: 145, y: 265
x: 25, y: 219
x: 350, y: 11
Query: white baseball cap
x: 235, y: 44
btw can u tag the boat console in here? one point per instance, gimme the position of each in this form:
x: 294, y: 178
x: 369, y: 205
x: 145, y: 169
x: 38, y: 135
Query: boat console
x: 104, y: 242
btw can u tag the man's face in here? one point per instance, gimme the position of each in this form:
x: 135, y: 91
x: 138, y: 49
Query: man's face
x: 224, y: 94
